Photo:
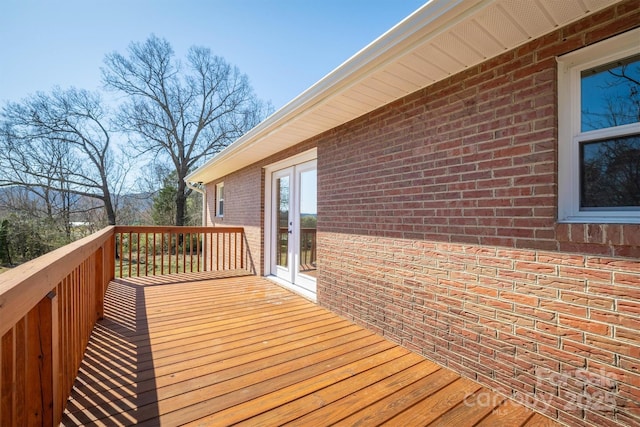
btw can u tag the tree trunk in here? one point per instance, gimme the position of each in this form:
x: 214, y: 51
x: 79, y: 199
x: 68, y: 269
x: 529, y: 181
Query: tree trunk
x: 181, y: 202
x: 66, y: 212
x: 108, y: 207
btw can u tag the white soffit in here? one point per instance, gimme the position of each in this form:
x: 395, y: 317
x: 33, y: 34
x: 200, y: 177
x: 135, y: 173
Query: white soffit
x: 442, y: 38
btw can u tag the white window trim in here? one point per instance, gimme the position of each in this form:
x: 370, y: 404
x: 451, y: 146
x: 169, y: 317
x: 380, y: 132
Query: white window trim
x: 569, y: 132
x: 219, y: 186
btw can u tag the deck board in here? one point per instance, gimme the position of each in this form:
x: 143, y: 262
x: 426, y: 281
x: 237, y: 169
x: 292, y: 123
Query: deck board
x: 201, y: 350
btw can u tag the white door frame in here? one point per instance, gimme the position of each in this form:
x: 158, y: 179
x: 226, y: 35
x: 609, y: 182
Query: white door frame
x: 269, y: 238
x: 283, y: 272
x: 305, y: 281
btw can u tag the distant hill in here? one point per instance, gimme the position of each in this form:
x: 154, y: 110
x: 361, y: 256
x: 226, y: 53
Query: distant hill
x: 135, y: 204
x: 143, y: 201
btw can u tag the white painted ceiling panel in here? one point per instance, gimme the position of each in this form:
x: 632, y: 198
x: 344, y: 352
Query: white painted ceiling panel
x: 298, y: 131
x: 424, y: 70
x: 352, y: 102
x: 441, y: 59
x: 325, y: 116
x: 384, y: 88
x: 368, y: 94
x: 331, y: 115
x: 317, y: 124
x: 363, y: 99
x: 562, y: 11
x: 500, y: 25
x: 462, y: 51
x: 401, y: 75
x: 396, y: 80
x: 344, y: 109
x: 530, y: 16
x: 593, y: 5
x: 479, y: 38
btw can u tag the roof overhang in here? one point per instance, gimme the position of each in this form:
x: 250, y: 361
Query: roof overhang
x: 440, y: 39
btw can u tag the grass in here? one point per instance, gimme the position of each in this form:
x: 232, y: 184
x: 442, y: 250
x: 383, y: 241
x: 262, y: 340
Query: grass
x: 146, y: 264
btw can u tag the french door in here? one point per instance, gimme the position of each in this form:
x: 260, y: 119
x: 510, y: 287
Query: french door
x: 294, y: 215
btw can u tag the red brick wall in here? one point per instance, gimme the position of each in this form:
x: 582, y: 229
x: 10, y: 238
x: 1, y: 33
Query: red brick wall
x: 437, y: 228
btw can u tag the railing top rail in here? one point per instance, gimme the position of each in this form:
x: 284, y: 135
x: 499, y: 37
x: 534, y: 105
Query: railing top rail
x: 21, y: 288
x: 174, y: 229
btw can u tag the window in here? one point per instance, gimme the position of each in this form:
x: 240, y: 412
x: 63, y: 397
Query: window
x: 220, y: 199
x: 599, y: 132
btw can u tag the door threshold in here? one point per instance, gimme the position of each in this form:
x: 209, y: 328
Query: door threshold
x: 311, y: 296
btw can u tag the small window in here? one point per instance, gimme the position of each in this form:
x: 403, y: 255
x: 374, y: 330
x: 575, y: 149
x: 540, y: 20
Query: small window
x: 220, y: 199
x: 599, y: 132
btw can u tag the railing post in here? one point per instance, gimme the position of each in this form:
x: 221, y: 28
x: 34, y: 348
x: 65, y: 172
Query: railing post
x: 111, y: 255
x: 99, y: 282
x: 7, y: 377
x: 56, y: 371
x: 206, y: 250
x: 242, y: 250
x: 42, y: 359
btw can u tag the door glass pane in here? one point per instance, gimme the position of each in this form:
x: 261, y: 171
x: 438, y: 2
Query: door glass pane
x: 308, y: 222
x: 282, y: 201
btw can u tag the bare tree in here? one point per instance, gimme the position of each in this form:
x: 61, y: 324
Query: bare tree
x: 182, y: 114
x: 60, y: 142
x: 52, y: 208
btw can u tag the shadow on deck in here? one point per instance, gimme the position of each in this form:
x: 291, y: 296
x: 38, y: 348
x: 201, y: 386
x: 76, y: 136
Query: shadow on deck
x: 203, y: 349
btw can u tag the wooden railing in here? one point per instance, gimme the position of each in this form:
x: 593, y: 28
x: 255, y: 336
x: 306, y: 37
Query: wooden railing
x: 49, y: 306
x: 148, y: 251
x: 307, y: 245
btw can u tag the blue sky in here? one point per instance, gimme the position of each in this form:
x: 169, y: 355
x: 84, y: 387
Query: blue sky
x: 284, y: 46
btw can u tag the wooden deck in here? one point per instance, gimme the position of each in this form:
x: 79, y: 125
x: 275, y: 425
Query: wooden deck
x: 199, y: 350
